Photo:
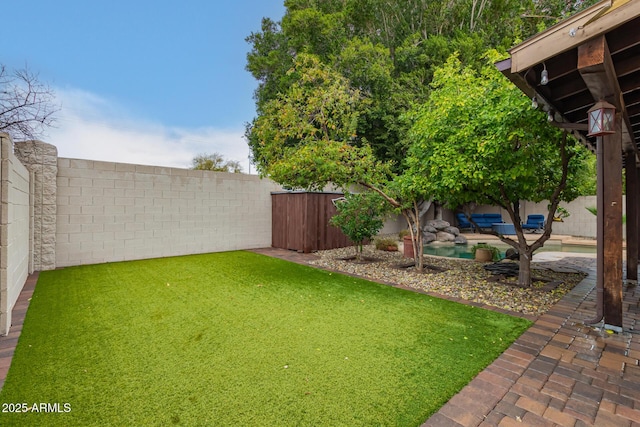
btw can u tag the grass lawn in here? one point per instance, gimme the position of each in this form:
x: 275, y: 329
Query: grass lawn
x: 239, y: 338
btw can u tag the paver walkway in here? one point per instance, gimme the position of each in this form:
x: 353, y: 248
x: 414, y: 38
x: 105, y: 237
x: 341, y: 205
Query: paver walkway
x: 8, y: 343
x: 558, y: 373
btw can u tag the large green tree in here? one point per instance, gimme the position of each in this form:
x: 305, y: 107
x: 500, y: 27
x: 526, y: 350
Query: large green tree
x: 478, y: 140
x: 382, y: 54
x: 306, y: 138
x: 389, y: 49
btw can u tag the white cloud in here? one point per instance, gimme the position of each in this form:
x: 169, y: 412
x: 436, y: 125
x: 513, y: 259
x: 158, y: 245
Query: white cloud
x: 94, y: 128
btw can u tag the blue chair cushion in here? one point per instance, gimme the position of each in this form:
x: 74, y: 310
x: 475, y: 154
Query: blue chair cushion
x: 534, y: 222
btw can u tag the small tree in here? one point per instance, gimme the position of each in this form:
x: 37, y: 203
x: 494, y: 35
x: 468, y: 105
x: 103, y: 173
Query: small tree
x: 360, y: 217
x: 26, y: 105
x: 215, y: 162
x: 478, y: 140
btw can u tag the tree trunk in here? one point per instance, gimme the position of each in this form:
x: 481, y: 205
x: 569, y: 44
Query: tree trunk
x: 412, y: 216
x: 418, y: 251
x: 524, y: 272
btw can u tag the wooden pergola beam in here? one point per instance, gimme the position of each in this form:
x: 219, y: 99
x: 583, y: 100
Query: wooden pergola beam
x: 566, y: 35
x: 599, y: 74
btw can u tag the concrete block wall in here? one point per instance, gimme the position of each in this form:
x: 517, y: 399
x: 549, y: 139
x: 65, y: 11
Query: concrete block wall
x: 579, y: 223
x: 15, y: 226
x: 42, y: 161
x: 116, y: 211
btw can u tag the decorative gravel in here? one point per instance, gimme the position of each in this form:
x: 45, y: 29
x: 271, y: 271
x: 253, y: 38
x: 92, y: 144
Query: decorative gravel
x: 466, y: 279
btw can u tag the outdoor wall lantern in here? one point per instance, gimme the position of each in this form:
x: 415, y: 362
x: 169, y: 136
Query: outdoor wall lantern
x: 601, y: 119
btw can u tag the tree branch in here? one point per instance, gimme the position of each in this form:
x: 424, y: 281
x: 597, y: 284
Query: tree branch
x: 26, y: 105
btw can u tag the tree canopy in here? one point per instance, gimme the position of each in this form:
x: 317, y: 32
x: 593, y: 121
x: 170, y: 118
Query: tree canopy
x: 343, y: 83
x: 388, y: 50
x: 478, y: 140
x: 215, y: 162
x: 304, y: 137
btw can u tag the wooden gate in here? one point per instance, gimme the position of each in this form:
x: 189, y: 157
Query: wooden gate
x: 300, y: 221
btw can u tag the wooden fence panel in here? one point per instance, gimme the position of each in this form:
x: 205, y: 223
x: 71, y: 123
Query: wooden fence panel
x: 301, y: 222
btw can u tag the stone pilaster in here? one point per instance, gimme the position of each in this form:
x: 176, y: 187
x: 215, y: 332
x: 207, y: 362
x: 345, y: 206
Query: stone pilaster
x: 41, y: 159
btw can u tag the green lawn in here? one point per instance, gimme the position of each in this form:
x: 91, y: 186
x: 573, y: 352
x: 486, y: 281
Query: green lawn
x: 241, y: 339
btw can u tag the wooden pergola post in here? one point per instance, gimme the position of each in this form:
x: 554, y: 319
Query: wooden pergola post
x: 609, y: 219
x: 637, y: 207
x: 596, y: 69
x: 571, y: 89
x: 631, y: 175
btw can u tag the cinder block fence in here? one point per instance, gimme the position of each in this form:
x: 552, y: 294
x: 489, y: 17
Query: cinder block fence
x: 58, y: 212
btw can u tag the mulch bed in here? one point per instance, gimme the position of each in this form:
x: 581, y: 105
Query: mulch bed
x: 427, y: 268
x: 459, y: 278
x: 360, y: 260
x: 503, y: 271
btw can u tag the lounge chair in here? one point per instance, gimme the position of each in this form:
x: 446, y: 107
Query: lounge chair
x: 487, y: 220
x: 463, y: 222
x: 534, y: 223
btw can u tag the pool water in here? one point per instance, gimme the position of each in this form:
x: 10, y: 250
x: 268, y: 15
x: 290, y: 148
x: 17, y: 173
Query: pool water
x: 451, y: 250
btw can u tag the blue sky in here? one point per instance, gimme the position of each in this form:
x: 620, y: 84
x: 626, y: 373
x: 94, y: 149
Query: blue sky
x: 139, y: 81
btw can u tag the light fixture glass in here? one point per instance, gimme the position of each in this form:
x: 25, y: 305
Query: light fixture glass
x: 550, y: 117
x: 534, y: 102
x: 544, y: 76
x: 601, y: 119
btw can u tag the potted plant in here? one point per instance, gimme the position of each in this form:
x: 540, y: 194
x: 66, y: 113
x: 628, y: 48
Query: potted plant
x: 483, y: 252
x: 561, y: 214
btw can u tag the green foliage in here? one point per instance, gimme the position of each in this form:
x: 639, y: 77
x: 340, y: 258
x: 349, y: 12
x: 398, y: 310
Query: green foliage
x: 271, y: 342
x: 360, y: 216
x: 269, y: 61
x: 561, y: 213
x: 215, y: 162
x: 304, y: 138
x: 479, y: 140
x: 585, y: 177
x: 389, y: 50
x: 385, y: 243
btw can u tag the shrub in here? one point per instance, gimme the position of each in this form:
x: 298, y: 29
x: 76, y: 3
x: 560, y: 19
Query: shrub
x: 385, y: 243
x: 360, y: 217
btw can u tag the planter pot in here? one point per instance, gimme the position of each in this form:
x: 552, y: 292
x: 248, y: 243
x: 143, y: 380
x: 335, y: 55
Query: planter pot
x: 392, y: 248
x: 484, y: 255
x: 408, y: 246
